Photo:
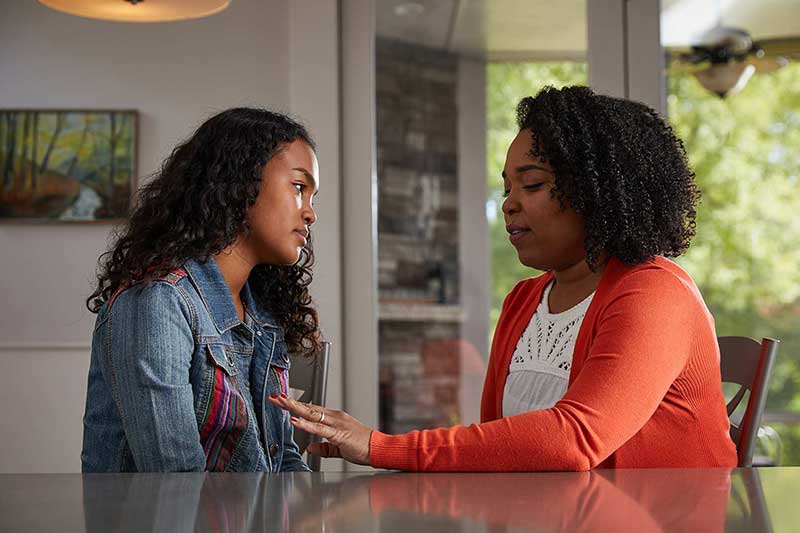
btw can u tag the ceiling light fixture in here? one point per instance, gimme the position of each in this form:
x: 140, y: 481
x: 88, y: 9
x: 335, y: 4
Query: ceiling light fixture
x: 139, y: 10
x: 725, y: 79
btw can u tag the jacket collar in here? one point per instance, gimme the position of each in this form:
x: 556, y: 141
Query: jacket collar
x: 217, y: 297
x: 262, y: 316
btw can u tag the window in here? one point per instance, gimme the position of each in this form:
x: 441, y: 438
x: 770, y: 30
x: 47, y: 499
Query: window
x: 746, y: 255
x: 506, y: 85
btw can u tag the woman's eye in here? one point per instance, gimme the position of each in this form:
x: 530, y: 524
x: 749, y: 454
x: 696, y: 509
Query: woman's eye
x: 506, y: 193
x: 300, y: 187
x: 533, y: 186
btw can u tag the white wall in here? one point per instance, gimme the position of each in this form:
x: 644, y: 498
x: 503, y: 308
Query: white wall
x: 176, y: 75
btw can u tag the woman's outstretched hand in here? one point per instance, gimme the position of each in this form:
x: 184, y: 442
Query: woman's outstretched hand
x: 346, y: 437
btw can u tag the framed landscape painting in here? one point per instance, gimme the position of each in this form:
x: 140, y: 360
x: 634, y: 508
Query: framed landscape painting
x: 67, y: 165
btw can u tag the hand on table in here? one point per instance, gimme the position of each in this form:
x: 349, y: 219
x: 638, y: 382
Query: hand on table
x: 346, y: 437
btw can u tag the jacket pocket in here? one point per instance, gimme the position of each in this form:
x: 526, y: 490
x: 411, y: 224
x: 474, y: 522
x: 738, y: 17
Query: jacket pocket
x: 221, y: 359
x: 225, y: 421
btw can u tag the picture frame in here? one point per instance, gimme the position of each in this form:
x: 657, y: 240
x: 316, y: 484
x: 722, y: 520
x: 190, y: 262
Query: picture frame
x: 67, y: 165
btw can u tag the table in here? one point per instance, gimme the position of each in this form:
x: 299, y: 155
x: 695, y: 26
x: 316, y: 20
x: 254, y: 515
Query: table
x: 708, y: 500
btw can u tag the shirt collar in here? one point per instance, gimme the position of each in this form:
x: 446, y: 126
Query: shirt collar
x: 217, y: 297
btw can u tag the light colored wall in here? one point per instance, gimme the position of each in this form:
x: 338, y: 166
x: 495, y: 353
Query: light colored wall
x: 176, y: 75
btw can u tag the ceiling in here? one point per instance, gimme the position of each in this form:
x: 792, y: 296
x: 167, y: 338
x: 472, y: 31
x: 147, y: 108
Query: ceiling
x: 683, y: 22
x: 507, y: 30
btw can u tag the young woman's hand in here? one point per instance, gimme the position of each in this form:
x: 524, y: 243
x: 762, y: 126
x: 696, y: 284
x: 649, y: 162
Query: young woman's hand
x: 346, y: 437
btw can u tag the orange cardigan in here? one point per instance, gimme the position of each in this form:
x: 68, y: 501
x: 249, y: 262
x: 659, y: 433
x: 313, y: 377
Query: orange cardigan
x: 644, y: 389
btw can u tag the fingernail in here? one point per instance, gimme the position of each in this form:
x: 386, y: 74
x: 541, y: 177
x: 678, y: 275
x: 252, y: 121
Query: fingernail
x: 294, y: 419
x: 283, y: 395
x: 273, y: 396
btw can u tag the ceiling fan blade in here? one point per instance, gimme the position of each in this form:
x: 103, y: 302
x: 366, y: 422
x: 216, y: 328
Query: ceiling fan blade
x: 788, y: 47
x: 768, y: 64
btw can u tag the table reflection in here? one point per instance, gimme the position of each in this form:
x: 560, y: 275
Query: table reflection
x: 604, y: 500
x: 586, y: 501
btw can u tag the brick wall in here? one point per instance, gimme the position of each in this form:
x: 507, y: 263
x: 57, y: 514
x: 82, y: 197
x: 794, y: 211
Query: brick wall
x: 417, y: 181
x: 417, y: 233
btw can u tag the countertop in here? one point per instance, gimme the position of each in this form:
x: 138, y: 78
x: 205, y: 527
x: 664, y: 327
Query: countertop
x: 708, y: 500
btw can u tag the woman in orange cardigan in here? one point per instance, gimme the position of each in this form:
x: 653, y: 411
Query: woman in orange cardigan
x: 609, y: 359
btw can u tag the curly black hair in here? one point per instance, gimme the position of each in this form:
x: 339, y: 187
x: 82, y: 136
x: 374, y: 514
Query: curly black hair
x: 197, y: 205
x: 619, y: 165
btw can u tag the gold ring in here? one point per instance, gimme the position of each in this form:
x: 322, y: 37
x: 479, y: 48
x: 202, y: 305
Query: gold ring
x: 321, y: 417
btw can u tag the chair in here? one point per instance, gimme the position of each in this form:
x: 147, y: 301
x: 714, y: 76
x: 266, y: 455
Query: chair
x: 747, y: 363
x: 747, y: 507
x: 310, y: 375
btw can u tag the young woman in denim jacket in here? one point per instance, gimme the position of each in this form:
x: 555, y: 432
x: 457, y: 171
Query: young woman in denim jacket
x: 199, y: 302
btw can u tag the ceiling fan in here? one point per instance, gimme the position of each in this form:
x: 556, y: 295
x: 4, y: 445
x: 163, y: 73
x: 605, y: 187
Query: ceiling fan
x: 725, y: 58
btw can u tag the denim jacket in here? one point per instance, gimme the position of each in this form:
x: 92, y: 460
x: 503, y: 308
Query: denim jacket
x: 178, y: 383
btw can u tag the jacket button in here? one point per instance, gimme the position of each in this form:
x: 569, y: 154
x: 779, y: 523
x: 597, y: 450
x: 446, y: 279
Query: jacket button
x: 273, y: 450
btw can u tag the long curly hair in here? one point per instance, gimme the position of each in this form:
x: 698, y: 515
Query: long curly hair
x: 197, y: 205
x: 619, y: 165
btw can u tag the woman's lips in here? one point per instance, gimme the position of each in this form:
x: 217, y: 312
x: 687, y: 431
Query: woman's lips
x: 518, y: 235
x: 302, y: 236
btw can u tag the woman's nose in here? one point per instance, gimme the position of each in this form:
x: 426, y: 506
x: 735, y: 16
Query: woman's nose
x: 310, y: 216
x: 509, y: 205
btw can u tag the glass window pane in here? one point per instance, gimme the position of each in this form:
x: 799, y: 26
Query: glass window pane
x: 507, y: 84
x: 438, y: 66
x: 740, y: 122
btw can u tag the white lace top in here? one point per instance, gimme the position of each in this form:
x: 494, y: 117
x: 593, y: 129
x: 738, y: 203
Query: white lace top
x: 540, y: 366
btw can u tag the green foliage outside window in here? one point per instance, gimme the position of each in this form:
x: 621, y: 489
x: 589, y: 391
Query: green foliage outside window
x: 746, y: 255
x: 507, y: 84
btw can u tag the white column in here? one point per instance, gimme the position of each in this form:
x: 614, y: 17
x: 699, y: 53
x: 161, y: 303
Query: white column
x: 606, y: 46
x: 474, y: 251
x: 359, y: 210
x: 472, y: 193
x: 646, y: 81
x: 314, y: 99
x: 625, y: 55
